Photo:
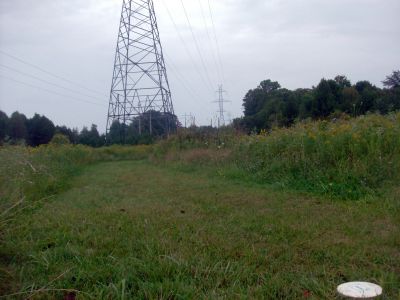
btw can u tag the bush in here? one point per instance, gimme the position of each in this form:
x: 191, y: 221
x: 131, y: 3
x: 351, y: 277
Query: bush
x: 60, y: 139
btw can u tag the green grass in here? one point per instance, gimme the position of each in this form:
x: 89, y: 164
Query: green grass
x: 137, y: 230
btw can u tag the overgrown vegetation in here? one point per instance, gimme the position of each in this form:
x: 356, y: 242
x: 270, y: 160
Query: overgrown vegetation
x: 347, y: 158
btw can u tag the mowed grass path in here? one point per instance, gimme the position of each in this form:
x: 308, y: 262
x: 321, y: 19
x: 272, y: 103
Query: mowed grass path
x: 134, y: 230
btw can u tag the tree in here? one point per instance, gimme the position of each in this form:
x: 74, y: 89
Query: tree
x: 306, y: 98
x: 90, y: 137
x: 116, y: 133
x: 350, y: 101
x: 290, y: 109
x: 72, y: 134
x: 256, y: 99
x: 253, y: 101
x: 4, y: 121
x: 392, y: 81
x: 342, y: 81
x: 40, y: 130
x: 326, y: 98
x: 269, y: 105
x: 368, y: 96
x: 17, y: 127
x: 269, y: 86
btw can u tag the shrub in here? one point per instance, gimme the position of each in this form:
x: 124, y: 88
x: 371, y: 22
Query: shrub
x: 60, y: 139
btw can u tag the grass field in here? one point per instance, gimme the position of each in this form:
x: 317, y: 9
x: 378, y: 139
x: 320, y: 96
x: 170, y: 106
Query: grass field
x: 140, y: 230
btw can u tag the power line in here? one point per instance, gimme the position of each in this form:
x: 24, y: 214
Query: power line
x: 196, y: 44
x: 49, y: 73
x: 45, y: 81
x: 216, y: 39
x: 185, y: 45
x: 181, y: 78
x: 211, y: 40
x: 49, y: 91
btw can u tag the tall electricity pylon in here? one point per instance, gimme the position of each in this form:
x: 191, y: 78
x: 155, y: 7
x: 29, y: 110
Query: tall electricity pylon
x: 221, y: 110
x: 140, y: 84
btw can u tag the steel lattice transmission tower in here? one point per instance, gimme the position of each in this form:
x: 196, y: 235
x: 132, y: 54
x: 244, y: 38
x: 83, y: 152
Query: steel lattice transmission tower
x: 221, y: 109
x: 140, y: 84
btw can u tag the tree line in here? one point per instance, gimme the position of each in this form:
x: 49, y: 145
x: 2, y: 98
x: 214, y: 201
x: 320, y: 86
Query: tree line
x: 38, y: 130
x: 269, y: 105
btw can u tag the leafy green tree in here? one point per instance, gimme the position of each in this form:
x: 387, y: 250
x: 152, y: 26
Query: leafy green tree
x: 368, y: 96
x: 116, y: 135
x: 342, y: 81
x: 392, y: 81
x: 305, y: 98
x: 144, y: 129
x: 84, y: 136
x: 72, y: 134
x: 326, y: 98
x: 90, y: 137
x: 4, y: 122
x: 17, y: 127
x: 389, y: 100
x: 40, y: 130
x: 290, y: 108
x: 269, y: 86
x: 256, y: 99
x: 155, y: 124
x: 253, y: 102
x: 350, y: 103
x: 270, y: 105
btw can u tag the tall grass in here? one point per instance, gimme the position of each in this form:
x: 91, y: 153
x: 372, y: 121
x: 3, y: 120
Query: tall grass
x: 29, y: 175
x: 343, y: 159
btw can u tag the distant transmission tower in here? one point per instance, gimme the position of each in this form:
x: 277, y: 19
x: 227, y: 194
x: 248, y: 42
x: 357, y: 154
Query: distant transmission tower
x: 221, y: 110
x: 140, y: 90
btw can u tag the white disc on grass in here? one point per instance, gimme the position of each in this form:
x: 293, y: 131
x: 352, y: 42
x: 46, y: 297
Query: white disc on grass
x: 359, y: 290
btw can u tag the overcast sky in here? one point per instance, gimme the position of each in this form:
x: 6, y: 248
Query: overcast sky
x: 295, y: 42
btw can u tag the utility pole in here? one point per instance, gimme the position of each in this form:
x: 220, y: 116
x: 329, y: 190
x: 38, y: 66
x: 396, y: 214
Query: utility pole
x: 139, y: 83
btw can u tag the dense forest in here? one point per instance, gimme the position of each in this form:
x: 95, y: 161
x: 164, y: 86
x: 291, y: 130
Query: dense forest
x: 269, y: 105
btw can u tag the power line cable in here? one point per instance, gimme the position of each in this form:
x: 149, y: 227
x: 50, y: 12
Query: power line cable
x: 174, y: 70
x: 180, y: 75
x: 185, y: 45
x: 47, y: 82
x: 49, y: 91
x: 217, y: 66
x: 49, y: 73
x: 181, y: 78
x: 216, y: 39
x: 196, y: 44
